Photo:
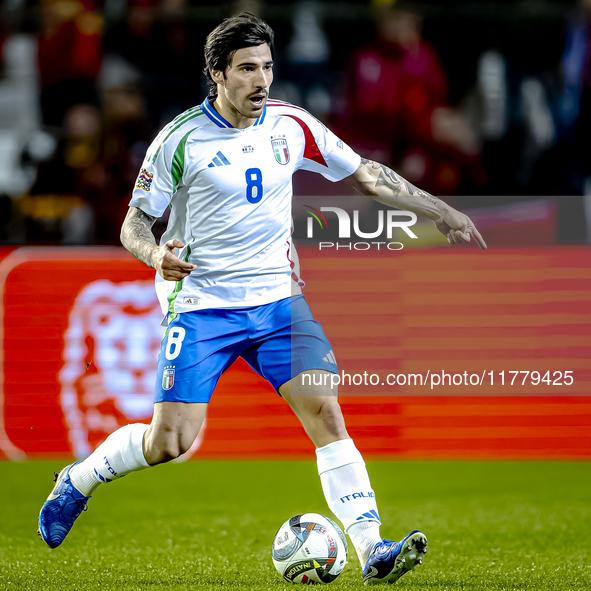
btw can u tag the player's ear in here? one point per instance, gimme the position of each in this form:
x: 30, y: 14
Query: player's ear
x: 217, y: 76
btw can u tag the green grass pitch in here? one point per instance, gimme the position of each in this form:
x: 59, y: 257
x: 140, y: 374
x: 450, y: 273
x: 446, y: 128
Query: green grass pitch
x: 209, y: 525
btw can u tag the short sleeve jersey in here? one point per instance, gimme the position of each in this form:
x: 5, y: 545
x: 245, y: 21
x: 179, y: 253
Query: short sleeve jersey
x: 230, y: 194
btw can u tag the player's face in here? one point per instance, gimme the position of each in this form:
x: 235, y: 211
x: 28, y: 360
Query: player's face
x: 243, y: 88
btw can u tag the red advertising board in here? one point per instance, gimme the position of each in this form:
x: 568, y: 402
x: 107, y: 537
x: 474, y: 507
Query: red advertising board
x: 449, y: 353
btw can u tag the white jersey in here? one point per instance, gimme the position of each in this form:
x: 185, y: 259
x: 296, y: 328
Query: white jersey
x: 230, y: 194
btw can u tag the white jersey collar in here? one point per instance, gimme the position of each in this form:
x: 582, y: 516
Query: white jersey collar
x: 216, y: 118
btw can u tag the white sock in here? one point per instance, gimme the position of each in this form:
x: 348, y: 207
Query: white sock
x: 349, y: 495
x: 364, y: 536
x: 122, y: 452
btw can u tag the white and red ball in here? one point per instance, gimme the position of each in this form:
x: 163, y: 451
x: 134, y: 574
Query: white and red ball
x: 310, y: 548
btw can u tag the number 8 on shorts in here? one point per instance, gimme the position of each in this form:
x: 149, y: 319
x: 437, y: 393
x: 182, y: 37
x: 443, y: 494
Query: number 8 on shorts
x: 175, y: 342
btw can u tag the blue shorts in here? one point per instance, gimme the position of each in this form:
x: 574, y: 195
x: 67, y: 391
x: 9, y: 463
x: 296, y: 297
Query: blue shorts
x: 278, y: 340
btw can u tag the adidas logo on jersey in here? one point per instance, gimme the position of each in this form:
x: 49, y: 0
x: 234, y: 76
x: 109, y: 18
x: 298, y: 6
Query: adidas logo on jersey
x: 219, y: 160
x: 330, y: 358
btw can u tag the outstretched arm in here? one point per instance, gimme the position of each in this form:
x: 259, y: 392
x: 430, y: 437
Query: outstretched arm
x: 137, y: 237
x: 387, y: 187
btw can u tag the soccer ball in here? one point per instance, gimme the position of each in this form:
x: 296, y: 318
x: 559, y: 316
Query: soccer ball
x: 310, y: 548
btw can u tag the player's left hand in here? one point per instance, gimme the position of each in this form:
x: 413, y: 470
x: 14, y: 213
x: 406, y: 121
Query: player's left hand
x: 458, y: 228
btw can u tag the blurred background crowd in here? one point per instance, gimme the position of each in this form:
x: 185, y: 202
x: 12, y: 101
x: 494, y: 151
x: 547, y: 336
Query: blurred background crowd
x: 484, y: 102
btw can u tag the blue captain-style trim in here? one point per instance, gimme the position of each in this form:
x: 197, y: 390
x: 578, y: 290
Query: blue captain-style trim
x: 216, y: 118
x: 260, y: 120
x: 213, y: 114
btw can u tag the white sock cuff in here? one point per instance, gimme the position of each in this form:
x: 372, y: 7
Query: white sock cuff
x: 136, y: 443
x: 337, y: 454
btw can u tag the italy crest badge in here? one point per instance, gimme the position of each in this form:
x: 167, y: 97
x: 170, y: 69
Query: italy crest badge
x: 280, y: 150
x: 168, y: 379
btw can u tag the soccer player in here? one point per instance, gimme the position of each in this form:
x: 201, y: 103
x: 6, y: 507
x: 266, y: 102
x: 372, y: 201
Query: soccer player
x: 225, y: 169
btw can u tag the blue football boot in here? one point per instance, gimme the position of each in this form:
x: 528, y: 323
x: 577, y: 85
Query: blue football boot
x: 61, y: 509
x: 388, y: 561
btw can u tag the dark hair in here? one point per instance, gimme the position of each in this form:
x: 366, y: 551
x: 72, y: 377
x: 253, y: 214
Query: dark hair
x: 237, y: 32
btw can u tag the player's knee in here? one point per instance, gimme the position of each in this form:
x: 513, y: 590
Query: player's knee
x: 327, y: 424
x: 322, y: 413
x: 176, y: 445
x: 165, y: 446
x: 331, y: 417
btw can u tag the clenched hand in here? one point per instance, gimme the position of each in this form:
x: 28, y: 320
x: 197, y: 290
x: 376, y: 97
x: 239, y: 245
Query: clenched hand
x: 168, y: 264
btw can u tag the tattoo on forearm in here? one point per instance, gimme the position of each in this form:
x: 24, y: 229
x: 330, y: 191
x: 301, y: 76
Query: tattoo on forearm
x: 136, y: 235
x: 388, y: 178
